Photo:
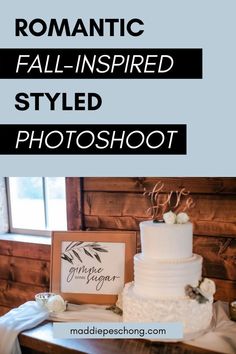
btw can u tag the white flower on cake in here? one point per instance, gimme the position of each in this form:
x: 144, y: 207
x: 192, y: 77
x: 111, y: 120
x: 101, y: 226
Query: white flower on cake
x: 207, y: 288
x: 172, y: 218
x: 169, y: 217
x: 182, y: 218
x: 56, y: 304
x: 203, y: 292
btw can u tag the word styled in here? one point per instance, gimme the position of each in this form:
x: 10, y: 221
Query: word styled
x: 63, y: 101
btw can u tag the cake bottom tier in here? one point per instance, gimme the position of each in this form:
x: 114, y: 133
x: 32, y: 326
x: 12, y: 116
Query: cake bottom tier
x: 196, y: 318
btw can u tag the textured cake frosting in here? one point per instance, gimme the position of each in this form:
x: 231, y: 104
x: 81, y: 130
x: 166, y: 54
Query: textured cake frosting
x: 194, y: 316
x: 165, y: 279
x: 161, y: 273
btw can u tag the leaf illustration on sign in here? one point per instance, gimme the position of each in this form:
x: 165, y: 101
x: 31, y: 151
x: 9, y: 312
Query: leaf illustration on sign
x: 77, y: 250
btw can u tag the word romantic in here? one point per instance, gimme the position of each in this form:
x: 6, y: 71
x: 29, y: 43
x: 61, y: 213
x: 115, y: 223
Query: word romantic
x: 101, y: 27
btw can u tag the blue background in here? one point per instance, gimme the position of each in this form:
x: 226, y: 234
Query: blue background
x: 207, y: 106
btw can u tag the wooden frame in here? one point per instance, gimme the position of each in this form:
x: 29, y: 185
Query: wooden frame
x: 69, y: 256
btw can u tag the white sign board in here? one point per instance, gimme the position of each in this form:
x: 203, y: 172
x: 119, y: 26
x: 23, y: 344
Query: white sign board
x: 92, y: 267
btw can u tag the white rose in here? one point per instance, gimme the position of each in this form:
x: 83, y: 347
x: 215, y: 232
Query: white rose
x: 207, y: 288
x: 56, y: 304
x: 182, y: 218
x: 169, y: 217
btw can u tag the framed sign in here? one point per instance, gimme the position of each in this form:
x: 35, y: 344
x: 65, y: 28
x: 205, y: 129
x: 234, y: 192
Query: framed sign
x: 91, y: 266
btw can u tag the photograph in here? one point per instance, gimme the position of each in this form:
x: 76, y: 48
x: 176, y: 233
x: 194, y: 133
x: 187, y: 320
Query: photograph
x: 120, y: 249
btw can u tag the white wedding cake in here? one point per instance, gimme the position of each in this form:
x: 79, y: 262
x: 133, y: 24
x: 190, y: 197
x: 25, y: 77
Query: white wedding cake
x: 168, y: 284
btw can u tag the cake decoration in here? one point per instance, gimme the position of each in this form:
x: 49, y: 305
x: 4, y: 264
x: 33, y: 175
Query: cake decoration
x: 172, y: 218
x: 53, y: 302
x: 79, y: 249
x: 168, y: 284
x: 116, y: 309
x: 203, y: 292
x: 163, y: 207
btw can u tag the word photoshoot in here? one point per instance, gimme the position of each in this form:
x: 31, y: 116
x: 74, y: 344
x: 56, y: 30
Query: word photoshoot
x: 108, y: 140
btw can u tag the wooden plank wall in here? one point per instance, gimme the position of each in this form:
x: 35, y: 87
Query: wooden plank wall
x: 118, y: 203
x: 24, y: 272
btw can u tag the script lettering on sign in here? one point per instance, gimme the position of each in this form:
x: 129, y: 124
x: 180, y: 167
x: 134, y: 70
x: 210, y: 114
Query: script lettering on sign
x: 92, y: 267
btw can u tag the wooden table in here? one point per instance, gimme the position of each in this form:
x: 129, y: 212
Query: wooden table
x: 39, y: 340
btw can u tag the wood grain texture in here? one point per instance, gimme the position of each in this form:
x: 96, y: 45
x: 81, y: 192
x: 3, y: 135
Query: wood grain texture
x: 118, y: 204
x: 225, y: 290
x: 13, y: 294
x: 25, y: 249
x: 207, y: 207
x: 211, y: 215
x: 23, y: 270
x: 209, y: 185
x: 4, y: 310
x: 73, y: 198
x: 219, y: 256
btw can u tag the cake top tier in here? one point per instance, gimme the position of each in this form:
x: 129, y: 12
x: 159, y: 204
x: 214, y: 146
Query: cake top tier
x: 166, y: 241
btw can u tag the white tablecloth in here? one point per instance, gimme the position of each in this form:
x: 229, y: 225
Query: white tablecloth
x: 17, y: 320
x: 221, y: 338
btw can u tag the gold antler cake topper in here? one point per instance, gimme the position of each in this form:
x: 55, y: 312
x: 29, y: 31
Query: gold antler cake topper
x: 161, y: 205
